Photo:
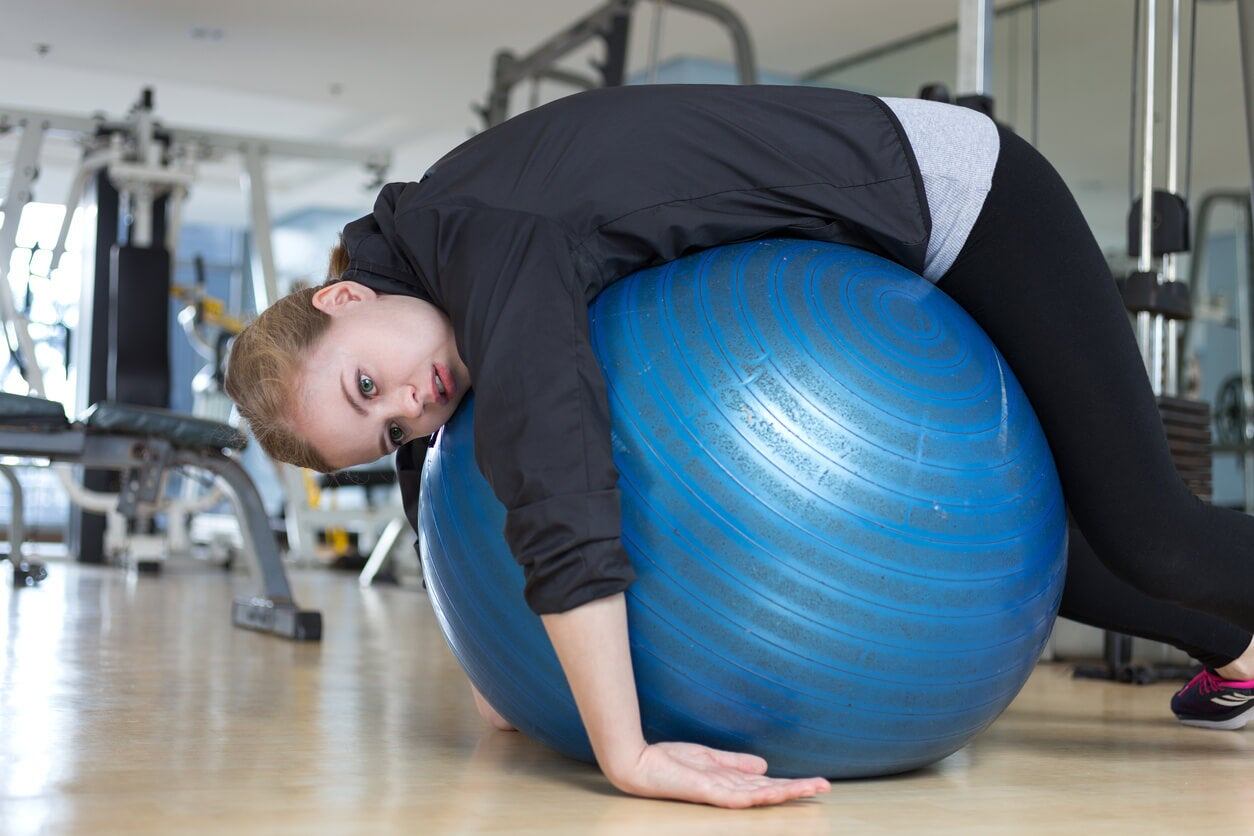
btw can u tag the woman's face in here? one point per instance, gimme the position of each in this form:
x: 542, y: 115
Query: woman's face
x: 386, y: 371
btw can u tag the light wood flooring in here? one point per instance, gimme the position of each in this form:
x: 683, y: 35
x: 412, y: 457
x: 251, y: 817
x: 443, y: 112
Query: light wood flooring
x: 130, y: 705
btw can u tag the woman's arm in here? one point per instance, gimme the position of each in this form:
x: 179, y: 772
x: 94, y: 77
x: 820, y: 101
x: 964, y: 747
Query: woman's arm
x: 519, y: 310
x: 591, y: 643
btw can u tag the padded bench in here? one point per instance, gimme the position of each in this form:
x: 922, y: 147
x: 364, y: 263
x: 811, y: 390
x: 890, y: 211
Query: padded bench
x: 145, y: 443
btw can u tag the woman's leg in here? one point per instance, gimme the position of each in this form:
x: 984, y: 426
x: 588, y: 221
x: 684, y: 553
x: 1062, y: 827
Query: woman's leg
x: 1094, y: 596
x: 1033, y: 276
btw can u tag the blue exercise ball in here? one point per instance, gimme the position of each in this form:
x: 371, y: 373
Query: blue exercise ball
x: 848, y: 531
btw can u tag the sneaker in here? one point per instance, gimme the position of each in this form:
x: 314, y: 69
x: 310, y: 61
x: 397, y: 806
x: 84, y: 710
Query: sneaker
x: 1211, y: 702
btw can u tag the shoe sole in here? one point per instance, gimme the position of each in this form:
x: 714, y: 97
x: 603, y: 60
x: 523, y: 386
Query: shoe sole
x: 1231, y: 724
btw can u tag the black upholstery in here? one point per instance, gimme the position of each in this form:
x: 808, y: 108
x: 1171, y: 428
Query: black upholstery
x: 28, y: 413
x: 359, y: 477
x: 180, y: 430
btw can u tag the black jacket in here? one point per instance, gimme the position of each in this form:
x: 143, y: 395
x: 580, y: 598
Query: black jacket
x: 513, y: 233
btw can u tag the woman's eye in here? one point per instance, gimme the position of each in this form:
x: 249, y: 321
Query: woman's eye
x: 366, y: 385
x: 396, y: 434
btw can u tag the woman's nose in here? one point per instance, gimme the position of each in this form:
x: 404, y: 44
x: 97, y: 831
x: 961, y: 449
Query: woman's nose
x: 410, y: 404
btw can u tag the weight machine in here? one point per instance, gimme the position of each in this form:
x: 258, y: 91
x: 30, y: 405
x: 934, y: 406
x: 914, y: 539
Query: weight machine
x: 611, y: 24
x: 140, y: 170
x: 1163, y: 304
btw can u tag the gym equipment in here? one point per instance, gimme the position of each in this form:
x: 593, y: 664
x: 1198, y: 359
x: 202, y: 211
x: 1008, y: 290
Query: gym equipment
x: 145, y: 445
x: 975, y: 55
x: 142, y: 170
x: 1233, y: 412
x: 973, y: 32
x: 147, y: 167
x: 849, y: 534
x: 1153, y: 294
x: 611, y: 23
x: 975, y: 60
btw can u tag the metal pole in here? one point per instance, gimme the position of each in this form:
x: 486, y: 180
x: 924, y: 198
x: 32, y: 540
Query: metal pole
x: 1186, y: 180
x: 382, y: 550
x: 614, y: 68
x: 1133, y: 99
x: 1170, y: 260
x: 209, y: 144
x: 510, y: 69
x: 1173, y: 124
x: 265, y: 282
x: 975, y: 47
x: 655, y: 39
x: 25, y: 171
x: 1149, y: 325
x: 17, y: 523
x: 1036, y: 72
x: 142, y: 195
x: 1145, y: 261
x: 259, y: 544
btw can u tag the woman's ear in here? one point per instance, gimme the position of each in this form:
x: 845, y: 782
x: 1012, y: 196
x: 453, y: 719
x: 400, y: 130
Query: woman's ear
x: 340, y: 296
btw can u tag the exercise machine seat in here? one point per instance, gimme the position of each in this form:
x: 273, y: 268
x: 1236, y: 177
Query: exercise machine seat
x: 35, y: 414
x: 180, y: 430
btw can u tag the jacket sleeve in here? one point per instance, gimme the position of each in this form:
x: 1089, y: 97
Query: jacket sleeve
x: 409, y: 461
x: 542, y: 429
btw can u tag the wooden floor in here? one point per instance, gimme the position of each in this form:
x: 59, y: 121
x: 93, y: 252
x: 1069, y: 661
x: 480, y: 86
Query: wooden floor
x: 130, y: 705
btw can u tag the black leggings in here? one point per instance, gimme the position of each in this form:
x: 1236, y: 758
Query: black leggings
x: 1147, y: 557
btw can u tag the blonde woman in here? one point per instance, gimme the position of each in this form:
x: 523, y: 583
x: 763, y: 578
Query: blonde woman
x: 481, y: 273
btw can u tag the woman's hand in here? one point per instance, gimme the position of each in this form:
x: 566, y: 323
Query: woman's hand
x: 688, y: 772
x: 591, y: 643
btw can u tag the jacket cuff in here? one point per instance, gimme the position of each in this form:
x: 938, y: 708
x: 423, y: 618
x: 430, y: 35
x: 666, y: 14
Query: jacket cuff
x: 570, y: 550
x: 593, y: 573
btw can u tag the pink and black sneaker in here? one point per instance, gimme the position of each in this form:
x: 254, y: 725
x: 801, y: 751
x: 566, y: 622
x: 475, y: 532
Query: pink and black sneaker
x: 1211, y: 702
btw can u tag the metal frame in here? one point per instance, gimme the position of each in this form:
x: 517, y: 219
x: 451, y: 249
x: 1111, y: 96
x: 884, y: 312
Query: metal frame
x: 1159, y: 335
x: 210, y: 144
x: 149, y: 159
x: 840, y: 64
x: 382, y: 550
x: 274, y: 610
x: 1149, y: 327
x: 607, y: 22
x: 20, y: 192
x: 138, y: 165
x: 975, y: 47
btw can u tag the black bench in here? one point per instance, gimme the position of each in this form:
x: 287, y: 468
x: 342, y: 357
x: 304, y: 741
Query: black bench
x: 143, y: 444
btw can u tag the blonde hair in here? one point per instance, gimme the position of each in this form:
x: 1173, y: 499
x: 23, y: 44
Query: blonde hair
x: 265, y: 364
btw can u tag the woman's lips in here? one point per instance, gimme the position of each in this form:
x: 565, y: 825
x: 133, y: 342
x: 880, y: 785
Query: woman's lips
x: 446, y: 380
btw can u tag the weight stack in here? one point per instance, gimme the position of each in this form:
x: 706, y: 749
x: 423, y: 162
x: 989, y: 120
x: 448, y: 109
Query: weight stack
x: 1187, y: 424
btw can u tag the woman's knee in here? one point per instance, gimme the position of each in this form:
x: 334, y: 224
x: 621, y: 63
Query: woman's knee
x: 1151, y: 552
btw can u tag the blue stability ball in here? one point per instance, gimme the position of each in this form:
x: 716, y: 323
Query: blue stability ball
x: 849, y: 534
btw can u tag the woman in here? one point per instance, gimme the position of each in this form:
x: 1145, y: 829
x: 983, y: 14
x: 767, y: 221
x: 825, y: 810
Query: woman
x: 482, y: 272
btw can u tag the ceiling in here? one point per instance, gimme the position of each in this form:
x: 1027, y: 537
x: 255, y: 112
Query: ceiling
x: 398, y: 73
x: 403, y: 74
x: 425, y: 59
